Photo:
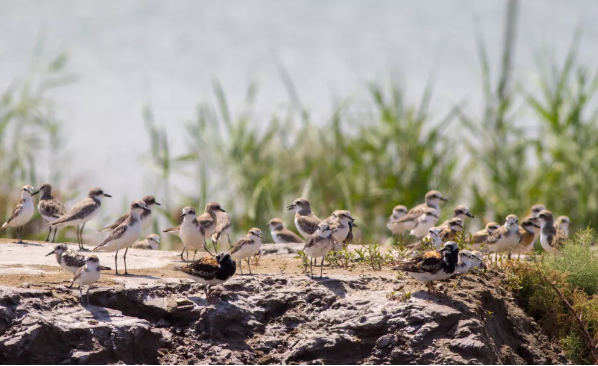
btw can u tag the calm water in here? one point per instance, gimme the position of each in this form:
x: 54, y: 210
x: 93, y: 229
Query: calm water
x: 127, y: 53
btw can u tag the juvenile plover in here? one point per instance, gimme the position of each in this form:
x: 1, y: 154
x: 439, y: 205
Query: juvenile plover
x: 87, y: 275
x: 461, y: 212
x: 550, y: 238
x: 318, y: 245
x: 22, y: 213
x: 223, y: 227
x: 125, y: 234
x: 432, y: 265
x: 424, y: 222
x: 210, y: 271
x: 50, y: 208
x: 246, y: 247
x: 506, y: 238
x: 341, y: 225
x: 397, y: 213
x: 282, y: 235
x: 82, y: 212
x: 305, y: 220
x: 562, y: 223
x: 452, y: 230
x: 146, y: 216
x: 151, y: 242
x: 209, y: 221
x: 469, y: 260
x: 479, y: 237
x: 528, y: 236
x: 70, y: 260
x: 432, y: 200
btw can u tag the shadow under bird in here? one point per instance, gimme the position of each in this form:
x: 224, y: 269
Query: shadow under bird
x: 210, y: 271
x: 82, y: 212
x: 22, y: 213
x: 50, y: 208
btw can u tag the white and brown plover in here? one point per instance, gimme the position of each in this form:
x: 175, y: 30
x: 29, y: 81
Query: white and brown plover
x: 49, y: 207
x: 209, y: 221
x: 550, y: 238
x: 82, y: 212
x: 146, y: 216
x: 247, y: 246
x: 305, y: 221
x: 562, y: 223
x: 461, y: 212
x: 22, y: 213
x: 210, y: 271
x: 194, y: 229
x: 528, y: 236
x: 69, y: 259
x: 222, y: 228
x: 397, y: 213
x: 87, y: 275
x: 433, y: 198
x: 506, y: 238
x: 282, y: 235
x: 124, y: 235
x: 452, y: 230
x: 151, y: 242
x: 319, y: 244
x: 479, y: 237
x: 432, y: 239
x: 341, y: 225
x: 424, y: 222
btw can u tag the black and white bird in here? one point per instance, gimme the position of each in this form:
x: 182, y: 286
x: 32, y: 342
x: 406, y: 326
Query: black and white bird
x: 550, y: 238
x: 151, y: 242
x: 22, y: 213
x: 87, y: 275
x: 433, y: 199
x: 82, y: 212
x: 210, y: 271
x: 433, y: 265
x: 246, y: 247
x: 69, y: 259
x: 50, y: 208
x: 318, y: 245
x: 460, y: 212
x: 124, y: 235
x: 282, y: 235
x: 146, y: 216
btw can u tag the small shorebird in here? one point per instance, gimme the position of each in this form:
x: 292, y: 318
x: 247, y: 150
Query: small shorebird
x: 506, y: 238
x: 479, y: 237
x: 469, y: 260
x: 50, y: 208
x: 550, y: 238
x: 535, y: 211
x: 282, y: 235
x: 210, y: 271
x: 70, y: 260
x: 461, y: 212
x: 82, y: 212
x: 432, y: 200
x: 305, y: 221
x: 424, y: 222
x: 247, y: 246
x: 151, y: 242
x: 528, y: 236
x: 87, y: 275
x: 125, y: 234
x: 397, y: 213
x: 341, y: 225
x: 432, y: 239
x: 454, y: 227
x: 209, y: 221
x: 433, y: 265
x: 318, y: 245
x: 146, y: 216
x: 22, y: 213
x: 223, y: 228
x: 562, y: 223
x: 194, y: 229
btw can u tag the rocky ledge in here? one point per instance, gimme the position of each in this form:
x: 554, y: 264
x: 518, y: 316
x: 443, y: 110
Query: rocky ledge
x: 271, y: 320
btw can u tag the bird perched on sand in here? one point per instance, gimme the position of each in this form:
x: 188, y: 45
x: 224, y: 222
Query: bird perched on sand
x: 318, y: 245
x: 223, y: 228
x: 70, y: 260
x: 433, y: 198
x: 506, y: 238
x: 460, y: 212
x: 282, y: 235
x: 469, y: 260
x: 151, y: 242
x: 50, y: 208
x: 432, y: 265
x: 82, y: 212
x: 424, y: 222
x: 87, y: 275
x: 397, y: 213
x: 452, y: 230
x: 125, y: 234
x: 146, y: 216
x: 210, y: 271
x: 22, y: 213
x: 247, y: 246
x: 562, y: 223
x: 528, y: 236
x: 479, y: 237
x: 550, y: 238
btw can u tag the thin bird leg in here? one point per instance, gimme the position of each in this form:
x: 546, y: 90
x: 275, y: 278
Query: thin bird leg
x: 321, y: 265
x: 249, y: 264
x: 214, y: 244
x: 116, y: 263
x: 241, y: 266
x: 81, y: 247
x: 229, y: 243
x: 205, y: 246
x: 183, y: 251
x: 20, y: 234
x: 48, y: 237
x: 78, y: 240
x: 194, y: 253
x: 55, y: 231
x: 125, y: 259
x: 311, y: 267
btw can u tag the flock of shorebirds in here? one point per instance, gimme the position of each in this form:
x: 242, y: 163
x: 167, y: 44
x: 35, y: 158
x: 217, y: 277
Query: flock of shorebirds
x: 434, y: 256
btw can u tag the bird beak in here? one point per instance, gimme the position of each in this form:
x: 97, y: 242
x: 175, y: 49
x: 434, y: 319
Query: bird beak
x: 444, y: 199
x: 470, y: 215
x: 52, y: 252
x: 147, y: 209
x: 290, y: 207
x: 107, y: 195
x: 533, y: 218
x: 536, y: 225
x: 222, y: 210
x: 157, y: 203
x: 354, y: 224
x: 34, y: 193
x: 183, y: 215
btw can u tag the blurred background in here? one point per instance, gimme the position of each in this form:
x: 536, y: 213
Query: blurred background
x: 352, y: 104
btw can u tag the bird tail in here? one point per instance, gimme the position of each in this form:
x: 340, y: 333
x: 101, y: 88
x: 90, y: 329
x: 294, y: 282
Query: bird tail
x: 106, y: 229
x: 104, y: 268
x: 182, y: 269
x: 96, y: 249
x: 4, y: 225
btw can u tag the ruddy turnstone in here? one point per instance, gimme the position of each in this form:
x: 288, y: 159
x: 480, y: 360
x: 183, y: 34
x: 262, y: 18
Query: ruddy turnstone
x: 124, y: 235
x: 282, y: 235
x: 433, y: 265
x: 469, y: 260
x: 550, y: 238
x: 424, y: 222
x: 151, y: 242
x: 50, y: 208
x: 506, y: 238
x: 209, y: 221
x: 223, y: 228
x: 210, y: 271
x: 87, y: 275
x: 318, y: 245
x: 408, y: 222
x: 454, y: 227
x: 247, y: 246
x: 22, y: 213
x: 305, y: 221
x: 82, y: 212
x: 146, y: 216
x: 70, y: 260
x: 461, y: 212
x: 562, y: 223
x: 397, y: 213
x: 479, y: 237
x: 528, y: 236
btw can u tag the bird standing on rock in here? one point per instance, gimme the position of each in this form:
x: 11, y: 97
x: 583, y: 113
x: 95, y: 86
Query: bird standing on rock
x: 22, y: 213
x: 247, y: 246
x: 50, y: 208
x: 210, y: 271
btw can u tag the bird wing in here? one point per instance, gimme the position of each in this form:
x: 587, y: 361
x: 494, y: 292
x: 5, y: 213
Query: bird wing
x: 480, y: 236
x: 73, y: 259
x: 114, y: 234
x: 53, y: 208
x: 205, y: 220
x: 78, y: 211
x: 116, y: 223
x: 496, y: 235
x: 224, y: 222
x: 172, y: 229
x: 78, y: 273
x: 427, y: 262
x: 16, y: 211
x: 309, y: 223
x: 288, y: 236
x: 414, y: 213
x: 240, y: 244
x: 205, y: 267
